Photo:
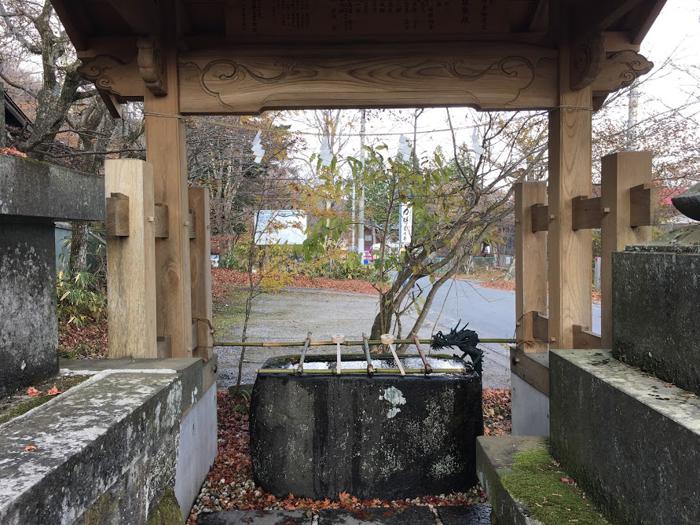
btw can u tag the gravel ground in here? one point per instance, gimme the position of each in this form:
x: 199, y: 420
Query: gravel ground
x: 290, y: 314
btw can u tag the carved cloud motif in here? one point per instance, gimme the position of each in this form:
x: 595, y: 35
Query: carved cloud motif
x: 252, y: 82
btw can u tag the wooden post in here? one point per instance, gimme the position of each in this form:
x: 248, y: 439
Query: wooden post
x: 530, y: 262
x: 620, y: 173
x: 570, y: 252
x: 200, y: 265
x: 131, y: 306
x: 165, y: 149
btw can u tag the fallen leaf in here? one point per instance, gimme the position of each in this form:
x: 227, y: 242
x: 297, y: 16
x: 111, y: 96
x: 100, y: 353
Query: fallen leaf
x: 30, y: 448
x: 567, y: 481
x: 53, y: 391
x: 33, y: 392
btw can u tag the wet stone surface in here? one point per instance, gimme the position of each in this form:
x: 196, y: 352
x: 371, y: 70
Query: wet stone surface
x: 387, y: 437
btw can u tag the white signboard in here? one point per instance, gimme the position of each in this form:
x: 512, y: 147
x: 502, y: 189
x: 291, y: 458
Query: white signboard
x: 405, y: 224
x: 281, y: 227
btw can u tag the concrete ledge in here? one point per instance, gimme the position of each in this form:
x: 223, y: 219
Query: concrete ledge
x: 29, y: 188
x: 197, y: 445
x: 104, y: 451
x: 196, y: 375
x: 493, y: 457
x: 525, y: 487
x: 631, y: 440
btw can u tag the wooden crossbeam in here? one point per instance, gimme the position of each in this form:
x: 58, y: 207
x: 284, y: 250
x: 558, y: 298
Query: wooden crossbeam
x: 529, y: 369
x: 585, y: 338
x: 540, y: 217
x: 117, y: 215
x: 587, y: 213
x: 641, y: 206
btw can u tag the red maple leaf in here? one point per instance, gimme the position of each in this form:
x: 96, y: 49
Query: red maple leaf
x: 33, y: 392
x: 53, y: 391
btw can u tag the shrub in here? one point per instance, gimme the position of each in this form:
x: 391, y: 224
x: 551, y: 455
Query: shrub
x: 80, y: 298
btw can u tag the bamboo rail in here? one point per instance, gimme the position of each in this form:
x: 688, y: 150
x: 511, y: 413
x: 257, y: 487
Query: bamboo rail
x: 363, y: 371
x: 322, y: 342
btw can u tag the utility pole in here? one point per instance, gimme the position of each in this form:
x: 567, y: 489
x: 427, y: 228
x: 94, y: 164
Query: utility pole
x: 361, y: 203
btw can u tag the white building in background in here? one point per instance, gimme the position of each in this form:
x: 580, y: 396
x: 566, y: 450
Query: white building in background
x: 280, y: 227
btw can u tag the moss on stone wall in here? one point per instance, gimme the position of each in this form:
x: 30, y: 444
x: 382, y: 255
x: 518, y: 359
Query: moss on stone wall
x: 538, y: 483
x: 167, y: 512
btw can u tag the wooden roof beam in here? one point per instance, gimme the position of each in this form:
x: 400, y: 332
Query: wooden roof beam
x: 76, y: 24
x: 141, y: 15
x: 589, y: 22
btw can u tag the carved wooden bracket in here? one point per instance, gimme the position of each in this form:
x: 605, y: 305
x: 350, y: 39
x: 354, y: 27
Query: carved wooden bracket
x: 587, y: 213
x: 620, y: 70
x: 150, y: 66
x: 117, y: 215
x: 587, y: 58
x: 540, y: 217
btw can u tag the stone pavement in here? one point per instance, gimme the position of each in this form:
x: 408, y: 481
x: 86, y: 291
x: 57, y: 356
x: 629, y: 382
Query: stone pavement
x: 472, y: 515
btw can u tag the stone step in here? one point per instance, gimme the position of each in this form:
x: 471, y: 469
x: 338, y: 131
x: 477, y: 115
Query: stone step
x: 472, y: 515
x: 630, y: 440
x: 526, y: 486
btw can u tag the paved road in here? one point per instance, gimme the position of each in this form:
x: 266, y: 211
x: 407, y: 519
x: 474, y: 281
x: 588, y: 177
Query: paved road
x: 290, y: 314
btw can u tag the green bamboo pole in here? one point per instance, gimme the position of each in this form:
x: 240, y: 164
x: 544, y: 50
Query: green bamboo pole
x: 356, y: 371
x: 287, y: 344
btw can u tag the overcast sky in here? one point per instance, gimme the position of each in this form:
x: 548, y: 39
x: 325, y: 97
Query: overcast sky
x: 675, y: 35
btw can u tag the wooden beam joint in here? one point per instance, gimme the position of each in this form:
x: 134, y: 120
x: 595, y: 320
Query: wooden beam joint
x: 540, y: 217
x: 587, y: 213
x: 535, y: 327
x: 162, y: 229
x: 585, y: 338
x: 117, y: 215
x: 641, y: 205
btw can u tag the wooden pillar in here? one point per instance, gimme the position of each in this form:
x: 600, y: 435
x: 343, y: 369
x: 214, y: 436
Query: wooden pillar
x: 131, y: 306
x: 569, y: 251
x: 620, y: 173
x: 165, y: 149
x: 530, y: 264
x: 200, y: 265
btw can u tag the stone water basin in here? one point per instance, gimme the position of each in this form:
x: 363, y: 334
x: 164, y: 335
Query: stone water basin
x: 386, y: 436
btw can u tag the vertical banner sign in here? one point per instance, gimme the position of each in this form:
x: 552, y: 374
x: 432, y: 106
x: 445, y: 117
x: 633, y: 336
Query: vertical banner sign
x: 405, y: 224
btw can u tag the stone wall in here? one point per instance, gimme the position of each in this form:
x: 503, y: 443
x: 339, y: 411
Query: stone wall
x: 656, y: 319
x: 28, y: 327
x: 33, y: 195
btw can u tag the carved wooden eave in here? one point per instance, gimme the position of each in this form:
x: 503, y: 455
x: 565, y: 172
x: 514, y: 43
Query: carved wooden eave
x: 486, y: 76
x: 489, y: 54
